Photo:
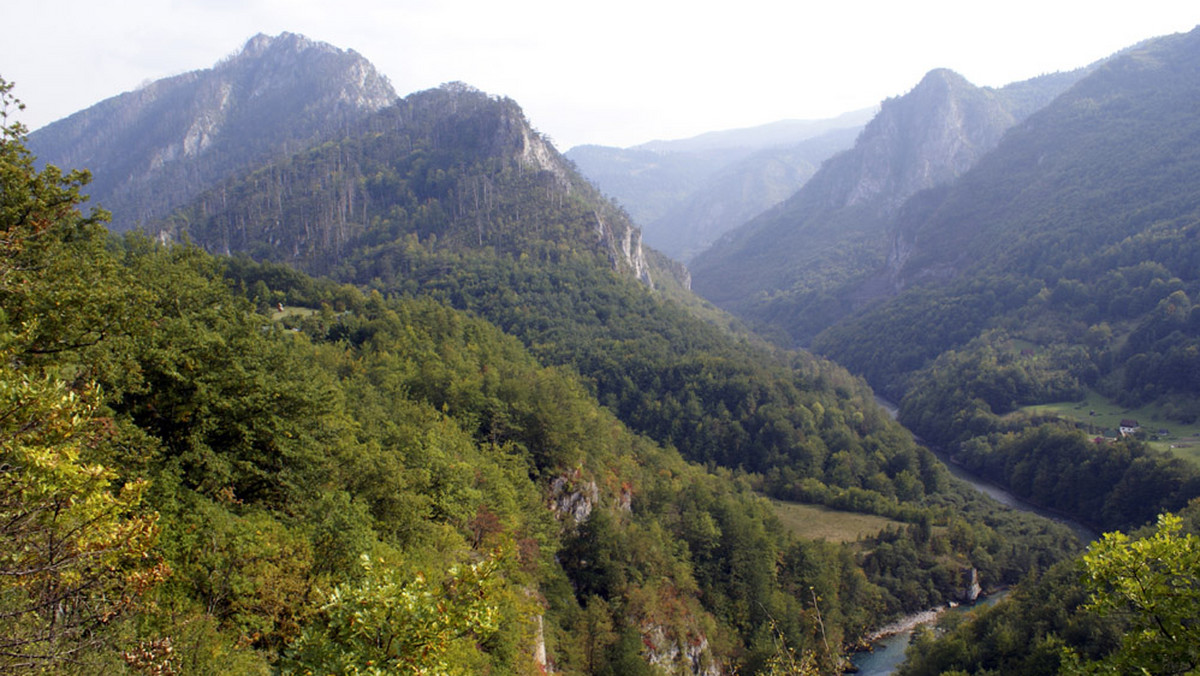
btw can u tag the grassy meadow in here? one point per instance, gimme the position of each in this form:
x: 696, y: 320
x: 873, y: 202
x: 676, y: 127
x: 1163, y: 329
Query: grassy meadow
x: 1101, y: 416
x: 815, y: 522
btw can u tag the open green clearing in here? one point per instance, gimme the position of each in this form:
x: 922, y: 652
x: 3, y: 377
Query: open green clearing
x: 1101, y: 416
x: 815, y: 522
x: 292, y: 311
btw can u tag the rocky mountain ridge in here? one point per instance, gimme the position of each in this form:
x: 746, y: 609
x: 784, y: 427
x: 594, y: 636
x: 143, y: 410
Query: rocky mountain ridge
x: 262, y: 114
x: 1089, y: 164
x: 154, y: 148
x: 497, y: 183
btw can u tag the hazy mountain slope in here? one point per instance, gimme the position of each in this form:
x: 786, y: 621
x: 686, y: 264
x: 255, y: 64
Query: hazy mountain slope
x: 1101, y: 179
x: 155, y: 148
x: 761, y: 137
x: 686, y: 192
x: 799, y: 267
x: 740, y: 191
x: 645, y: 182
x: 1064, y: 265
x: 1111, y: 158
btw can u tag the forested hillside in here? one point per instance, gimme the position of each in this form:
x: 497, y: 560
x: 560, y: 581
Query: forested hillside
x: 379, y: 480
x: 531, y: 257
x: 393, y: 486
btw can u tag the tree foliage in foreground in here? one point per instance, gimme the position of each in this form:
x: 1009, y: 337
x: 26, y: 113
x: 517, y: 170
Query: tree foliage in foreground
x: 390, y: 622
x: 1152, y: 585
x: 1127, y: 606
x: 76, y: 541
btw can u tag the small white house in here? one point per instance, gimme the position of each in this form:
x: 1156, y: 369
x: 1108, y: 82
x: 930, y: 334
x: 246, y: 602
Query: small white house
x: 1129, y: 426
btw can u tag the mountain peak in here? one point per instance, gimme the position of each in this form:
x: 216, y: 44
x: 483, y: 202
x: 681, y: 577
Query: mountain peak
x: 160, y: 145
x: 923, y: 139
x: 942, y: 76
x: 261, y: 42
x: 263, y: 45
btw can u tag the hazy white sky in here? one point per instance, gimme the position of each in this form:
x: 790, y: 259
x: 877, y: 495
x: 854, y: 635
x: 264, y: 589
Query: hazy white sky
x: 617, y: 72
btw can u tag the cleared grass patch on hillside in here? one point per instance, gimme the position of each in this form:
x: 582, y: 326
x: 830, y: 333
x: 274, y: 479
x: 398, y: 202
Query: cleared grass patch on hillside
x: 1097, y: 415
x: 292, y: 311
x: 815, y: 522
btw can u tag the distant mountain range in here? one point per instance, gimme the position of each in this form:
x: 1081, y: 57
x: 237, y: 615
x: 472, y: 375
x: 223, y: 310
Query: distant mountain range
x: 686, y: 193
x: 803, y: 264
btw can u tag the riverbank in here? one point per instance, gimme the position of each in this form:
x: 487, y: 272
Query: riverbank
x: 998, y: 493
x: 907, y: 623
x: 887, y: 644
x: 1085, y: 532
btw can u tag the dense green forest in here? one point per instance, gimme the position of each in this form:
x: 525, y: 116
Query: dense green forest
x: 381, y: 482
x: 993, y: 345
x: 1128, y: 606
x: 527, y: 256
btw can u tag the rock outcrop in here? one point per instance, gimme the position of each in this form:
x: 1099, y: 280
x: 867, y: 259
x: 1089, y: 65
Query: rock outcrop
x: 571, y: 497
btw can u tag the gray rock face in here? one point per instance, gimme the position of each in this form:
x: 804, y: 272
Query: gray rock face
x: 972, y: 591
x: 678, y: 655
x: 157, y: 147
x: 926, y: 138
x: 571, y: 498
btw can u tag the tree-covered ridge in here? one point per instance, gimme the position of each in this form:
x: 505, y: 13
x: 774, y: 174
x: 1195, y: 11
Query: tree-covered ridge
x: 450, y: 168
x: 811, y: 430
x: 663, y: 372
x: 528, y: 256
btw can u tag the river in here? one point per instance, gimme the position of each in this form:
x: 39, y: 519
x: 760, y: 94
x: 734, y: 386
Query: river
x: 889, y: 651
x: 993, y: 491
